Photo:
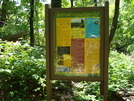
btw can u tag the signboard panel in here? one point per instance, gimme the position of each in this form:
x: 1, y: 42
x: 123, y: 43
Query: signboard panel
x: 77, y: 43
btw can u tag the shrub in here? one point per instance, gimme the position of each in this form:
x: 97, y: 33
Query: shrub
x: 121, y: 74
x: 22, y: 70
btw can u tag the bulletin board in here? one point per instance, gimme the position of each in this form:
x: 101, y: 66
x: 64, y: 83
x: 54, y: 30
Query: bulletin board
x: 77, y: 43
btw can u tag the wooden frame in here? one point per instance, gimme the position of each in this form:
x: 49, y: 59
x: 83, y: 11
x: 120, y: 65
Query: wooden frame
x: 104, y: 47
x: 52, y: 43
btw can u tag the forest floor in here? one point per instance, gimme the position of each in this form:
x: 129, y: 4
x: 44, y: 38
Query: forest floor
x: 68, y: 94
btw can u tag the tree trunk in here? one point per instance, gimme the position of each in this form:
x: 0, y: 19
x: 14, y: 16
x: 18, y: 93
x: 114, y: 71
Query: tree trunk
x: 4, y: 13
x: 31, y: 22
x: 56, y: 3
x: 71, y: 1
x: 95, y: 3
x: 115, y: 20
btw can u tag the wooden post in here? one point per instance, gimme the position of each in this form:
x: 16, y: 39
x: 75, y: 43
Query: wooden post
x: 106, y: 51
x: 104, y: 83
x: 55, y: 3
x: 48, y: 65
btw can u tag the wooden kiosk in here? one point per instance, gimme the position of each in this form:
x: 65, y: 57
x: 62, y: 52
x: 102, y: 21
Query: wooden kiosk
x: 77, y: 45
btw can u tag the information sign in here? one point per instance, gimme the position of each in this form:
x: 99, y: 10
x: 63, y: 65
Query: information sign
x: 77, y: 43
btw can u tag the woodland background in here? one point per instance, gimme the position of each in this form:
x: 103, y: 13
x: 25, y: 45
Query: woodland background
x: 23, y: 53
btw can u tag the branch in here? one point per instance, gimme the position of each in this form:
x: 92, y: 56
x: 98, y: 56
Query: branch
x: 115, y: 20
x: 15, y: 36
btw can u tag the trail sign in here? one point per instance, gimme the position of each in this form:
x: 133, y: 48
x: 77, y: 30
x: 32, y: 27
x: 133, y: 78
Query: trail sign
x: 77, y: 44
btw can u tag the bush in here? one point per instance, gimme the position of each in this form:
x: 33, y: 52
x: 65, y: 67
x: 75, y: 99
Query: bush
x: 121, y: 74
x: 22, y: 70
x: 123, y: 40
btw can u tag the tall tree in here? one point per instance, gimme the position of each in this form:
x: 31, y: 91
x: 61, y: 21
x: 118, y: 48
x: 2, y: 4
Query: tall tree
x: 4, y: 12
x: 31, y: 22
x: 55, y: 3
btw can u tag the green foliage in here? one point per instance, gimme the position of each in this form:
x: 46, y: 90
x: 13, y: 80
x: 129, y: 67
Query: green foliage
x: 22, y: 70
x: 121, y: 74
x: 124, y: 37
x: 79, y: 91
x: 87, y: 91
x: 83, y: 3
x: 65, y: 4
x: 130, y: 1
x: 18, y: 19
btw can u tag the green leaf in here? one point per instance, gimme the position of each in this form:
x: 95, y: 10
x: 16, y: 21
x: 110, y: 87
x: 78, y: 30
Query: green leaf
x: 5, y: 70
x: 128, y: 1
x: 132, y: 2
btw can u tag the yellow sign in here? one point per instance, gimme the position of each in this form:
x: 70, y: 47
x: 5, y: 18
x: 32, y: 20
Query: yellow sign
x: 78, y: 44
x: 91, y: 56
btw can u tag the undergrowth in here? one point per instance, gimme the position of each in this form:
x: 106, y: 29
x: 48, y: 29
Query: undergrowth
x: 23, y: 75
